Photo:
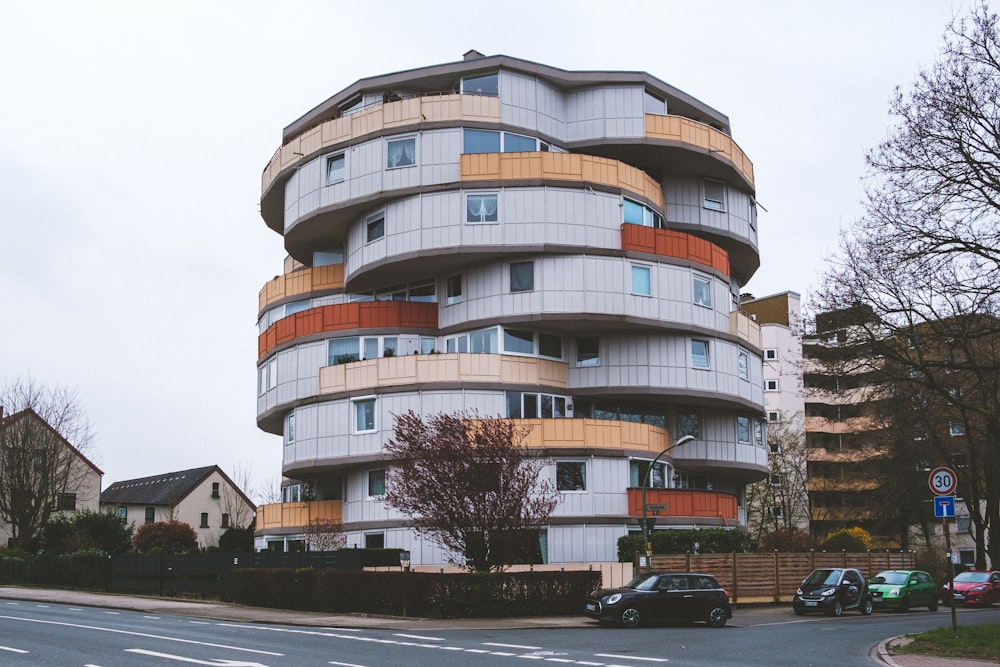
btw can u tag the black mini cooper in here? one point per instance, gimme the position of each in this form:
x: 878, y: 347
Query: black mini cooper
x: 671, y: 596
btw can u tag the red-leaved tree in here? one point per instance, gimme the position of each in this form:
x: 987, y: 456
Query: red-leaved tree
x: 170, y: 536
x: 470, y: 485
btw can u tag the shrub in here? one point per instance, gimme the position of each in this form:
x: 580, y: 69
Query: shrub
x: 83, y: 530
x: 236, y: 539
x: 169, y: 536
x: 847, y: 539
x: 709, y: 541
x: 788, y: 540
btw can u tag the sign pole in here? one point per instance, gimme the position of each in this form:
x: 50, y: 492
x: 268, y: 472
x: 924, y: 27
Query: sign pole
x: 943, y: 482
x: 951, y: 577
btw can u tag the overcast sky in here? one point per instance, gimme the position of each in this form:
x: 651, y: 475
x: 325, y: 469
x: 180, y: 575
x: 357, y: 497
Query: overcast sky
x: 133, y: 136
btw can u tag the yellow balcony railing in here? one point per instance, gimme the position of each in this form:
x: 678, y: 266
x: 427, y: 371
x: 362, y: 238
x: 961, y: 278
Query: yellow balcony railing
x: 685, y: 130
x: 298, y: 515
x: 594, y: 434
x: 301, y: 282
x: 744, y: 328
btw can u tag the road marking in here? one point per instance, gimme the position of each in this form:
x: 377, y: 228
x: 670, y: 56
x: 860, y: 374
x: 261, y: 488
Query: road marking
x: 526, y: 648
x: 140, y: 634
x: 345, y: 664
x: 629, y: 657
x: 180, y: 658
x: 430, y: 639
x: 12, y: 650
x: 113, y: 613
x: 154, y: 618
x: 75, y: 609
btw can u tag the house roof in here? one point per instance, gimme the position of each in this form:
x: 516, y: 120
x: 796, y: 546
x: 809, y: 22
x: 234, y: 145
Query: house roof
x: 29, y: 413
x: 164, y: 489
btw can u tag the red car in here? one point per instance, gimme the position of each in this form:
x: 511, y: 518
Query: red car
x: 974, y: 587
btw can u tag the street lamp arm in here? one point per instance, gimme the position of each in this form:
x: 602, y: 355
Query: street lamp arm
x: 683, y: 440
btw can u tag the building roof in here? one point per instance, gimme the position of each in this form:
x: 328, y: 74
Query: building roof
x: 165, y: 489
x: 29, y: 413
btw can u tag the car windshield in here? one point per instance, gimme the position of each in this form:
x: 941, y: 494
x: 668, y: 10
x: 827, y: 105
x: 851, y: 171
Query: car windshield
x: 820, y: 577
x: 973, y: 576
x: 644, y: 582
x: 891, y: 577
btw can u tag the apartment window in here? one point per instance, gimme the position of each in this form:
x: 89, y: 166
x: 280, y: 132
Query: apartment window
x: 375, y: 227
x: 480, y: 141
x: 328, y: 257
x: 743, y: 364
x: 204, y: 520
x: 775, y: 447
x: 775, y: 479
x: 374, y: 540
x: 956, y: 428
x: 454, y: 290
x: 588, y: 351
x: 699, y: 354
x: 688, y: 424
x: 529, y: 405
x: 702, y: 289
x: 771, y: 354
x: 743, y: 430
x: 571, y: 475
x: 215, y: 489
x: 518, y: 342
x: 343, y: 351
x: 121, y: 512
x: 770, y: 385
x: 422, y: 290
x: 657, y: 474
x: 356, y: 103
x: 774, y: 416
x: 477, y: 342
x: 66, y: 502
x: 376, y: 483
x: 484, y: 84
x: 364, y: 414
x: 427, y: 344
x: 641, y: 283
x: 635, y: 213
x: 335, y: 169
x: 401, y: 152
x: 715, y: 195
x: 549, y: 346
x: 652, y: 103
x: 758, y: 433
x: 290, y: 428
x: 522, y: 276
x: 778, y: 512
x: 481, y: 208
x: 753, y: 213
x: 150, y: 515
x: 225, y: 520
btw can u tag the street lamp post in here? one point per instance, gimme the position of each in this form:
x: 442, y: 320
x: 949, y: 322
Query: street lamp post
x: 684, y: 439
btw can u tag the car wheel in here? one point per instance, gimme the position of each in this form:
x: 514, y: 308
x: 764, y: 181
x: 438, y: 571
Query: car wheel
x: 798, y: 612
x: 717, y: 617
x: 866, y: 606
x: 904, y: 604
x: 630, y: 617
x: 837, y: 609
x: 933, y: 605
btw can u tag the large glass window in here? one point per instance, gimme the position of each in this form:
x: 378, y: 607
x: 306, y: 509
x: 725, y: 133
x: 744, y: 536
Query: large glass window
x: 743, y: 430
x: 688, y: 423
x: 658, y: 474
x: 519, y: 342
x: 571, y: 475
x: 401, y: 152
x: 376, y: 483
x: 549, y: 346
x: 518, y: 143
x: 343, y: 351
x: 290, y: 428
x: 483, y: 342
x: 364, y: 413
x: 743, y: 364
x: 427, y: 344
x: 702, y: 288
x: 422, y: 291
x: 327, y: 257
x: 588, y: 351
x: 481, y: 208
x: 484, y: 84
x: 335, y: 169
x: 530, y: 405
x: 636, y: 214
x: 454, y: 289
x: 641, y: 284
x: 480, y: 141
x: 522, y: 276
x: 653, y: 103
x: 700, y: 354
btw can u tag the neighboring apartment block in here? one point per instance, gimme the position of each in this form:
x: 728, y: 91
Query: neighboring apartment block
x: 41, y: 466
x: 204, y: 498
x: 562, y: 248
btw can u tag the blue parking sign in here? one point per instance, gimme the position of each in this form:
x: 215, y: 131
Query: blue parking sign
x: 944, y: 507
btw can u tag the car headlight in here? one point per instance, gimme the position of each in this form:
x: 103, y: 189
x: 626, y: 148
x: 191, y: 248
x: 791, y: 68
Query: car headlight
x: 978, y: 589
x: 798, y: 591
x: 894, y: 592
x: 614, y: 598
x: 829, y: 591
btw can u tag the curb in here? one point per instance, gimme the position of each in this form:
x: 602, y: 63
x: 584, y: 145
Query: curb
x: 883, y: 652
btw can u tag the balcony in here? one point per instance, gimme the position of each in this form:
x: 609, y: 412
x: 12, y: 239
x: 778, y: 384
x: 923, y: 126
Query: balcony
x: 840, y: 427
x: 744, y: 328
x: 296, y: 516
x: 685, y: 504
x: 668, y: 243
x: 693, y: 133
x: 573, y: 167
x: 593, y: 434
x: 455, y: 368
x: 301, y: 282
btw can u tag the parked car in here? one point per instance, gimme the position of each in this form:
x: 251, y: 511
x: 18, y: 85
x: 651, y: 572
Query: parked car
x: 833, y: 590
x: 669, y: 596
x: 974, y: 587
x: 903, y: 589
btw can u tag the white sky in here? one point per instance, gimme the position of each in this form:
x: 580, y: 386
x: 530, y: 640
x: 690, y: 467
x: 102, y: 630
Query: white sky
x: 133, y: 136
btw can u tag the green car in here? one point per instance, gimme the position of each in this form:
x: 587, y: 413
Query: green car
x: 903, y: 589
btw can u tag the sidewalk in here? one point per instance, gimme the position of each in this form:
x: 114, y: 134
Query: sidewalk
x: 222, y: 611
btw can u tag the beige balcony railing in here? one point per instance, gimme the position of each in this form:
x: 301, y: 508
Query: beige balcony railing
x: 298, y: 515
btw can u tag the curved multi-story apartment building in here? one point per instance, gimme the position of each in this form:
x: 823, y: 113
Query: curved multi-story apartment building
x: 564, y: 249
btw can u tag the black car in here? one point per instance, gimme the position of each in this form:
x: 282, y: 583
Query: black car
x: 670, y: 596
x: 833, y: 590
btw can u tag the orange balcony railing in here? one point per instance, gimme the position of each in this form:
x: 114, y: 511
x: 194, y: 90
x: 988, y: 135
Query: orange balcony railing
x: 298, y: 515
x: 668, y: 243
x: 683, y: 503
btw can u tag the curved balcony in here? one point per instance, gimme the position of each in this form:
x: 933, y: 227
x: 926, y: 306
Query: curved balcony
x: 744, y: 328
x: 394, y: 315
x: 286, y: 517
x: 849, y: 425
x: 685, y: 504
x: 301, y: 282
x: 560, y: 167
x: 668, y: 243
x: 448, y: 369
x: 593, y: 434
x: 693, y: 133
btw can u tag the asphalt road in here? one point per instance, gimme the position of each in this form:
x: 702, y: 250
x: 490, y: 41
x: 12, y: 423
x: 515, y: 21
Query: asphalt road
x: 49, y: 633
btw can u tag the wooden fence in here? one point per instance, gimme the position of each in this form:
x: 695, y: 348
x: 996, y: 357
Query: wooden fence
x: 773, y: 577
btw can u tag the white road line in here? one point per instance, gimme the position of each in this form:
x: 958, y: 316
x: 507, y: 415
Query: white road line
x: 630, y: 657
x: 323, y: 632
x: 139, y: 634
x: 559, y: 660
x: 113, y: 613
x: 195, y: 661
x: 430, y: 639
x: 526, y: 648
x: 199, y: 623
x: 12, y: 650
x: 345, y: 664
x: 75, y: 609
x: 154, y: 618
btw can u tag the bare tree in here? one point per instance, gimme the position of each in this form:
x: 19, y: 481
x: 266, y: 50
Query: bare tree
x: 469, y: 484
x: 233, y: 502
x: 43, y: 434
x: 325, y: 534
x: 781, y: 500
x: 926, y: 255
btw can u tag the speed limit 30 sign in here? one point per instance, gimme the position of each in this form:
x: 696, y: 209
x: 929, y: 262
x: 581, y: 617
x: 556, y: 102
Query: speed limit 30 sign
x: 942, y: 481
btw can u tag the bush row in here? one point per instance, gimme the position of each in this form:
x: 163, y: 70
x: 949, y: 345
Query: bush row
x: 413, y: 593
x: 708, y: 541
